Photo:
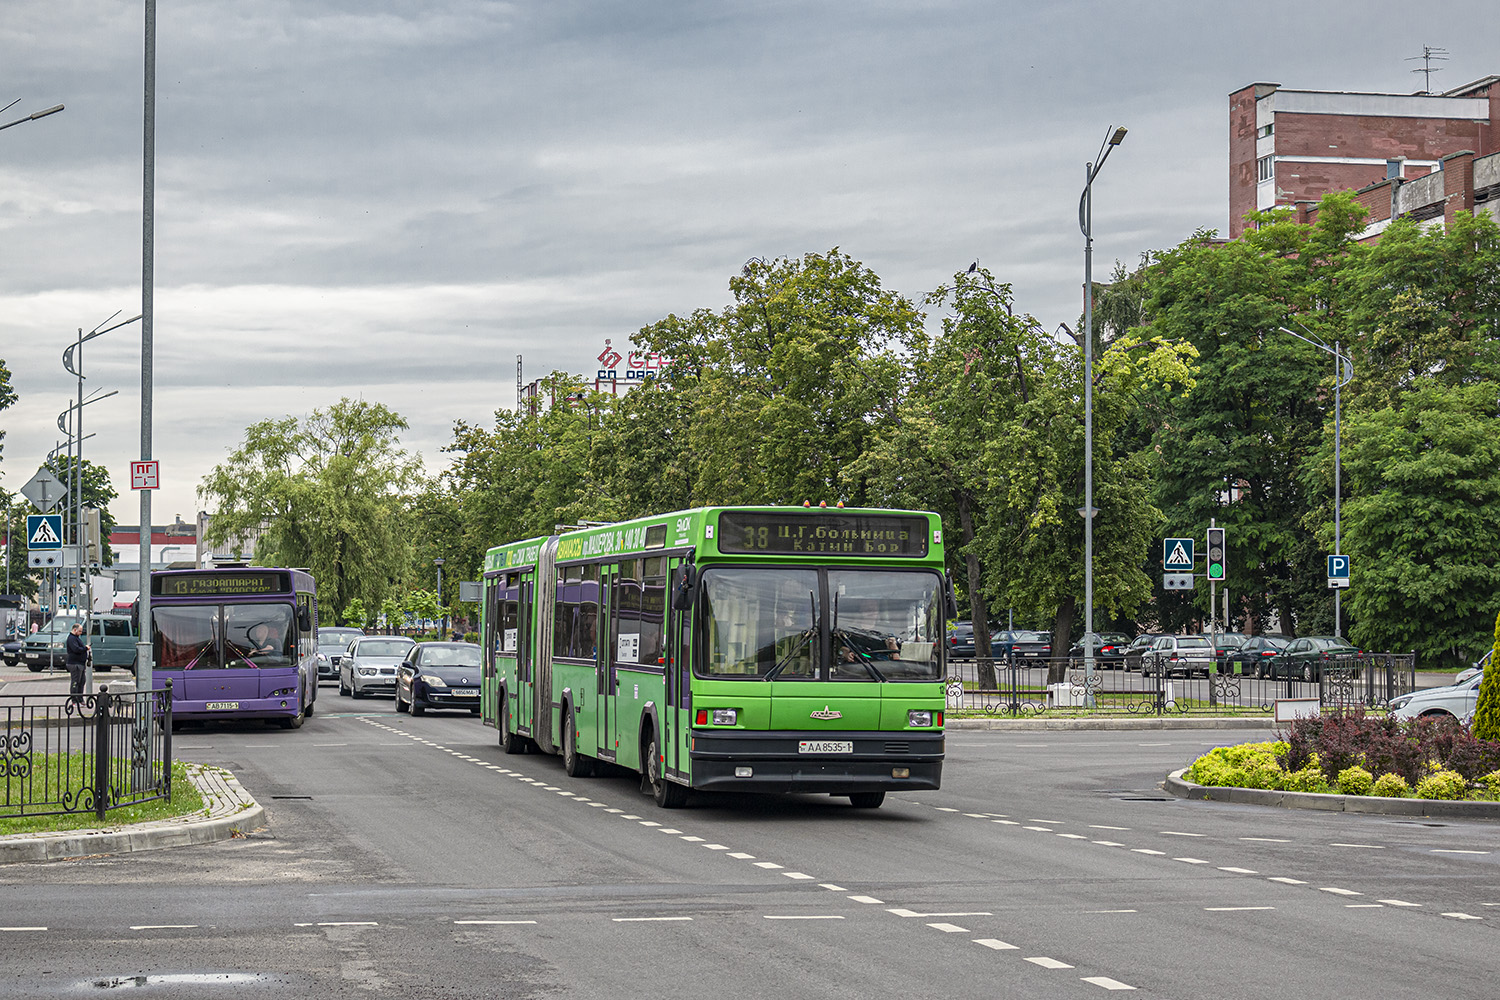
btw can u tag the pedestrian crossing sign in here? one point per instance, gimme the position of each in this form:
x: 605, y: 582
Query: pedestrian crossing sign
x: 1177, y: 555
x: 44, y: 531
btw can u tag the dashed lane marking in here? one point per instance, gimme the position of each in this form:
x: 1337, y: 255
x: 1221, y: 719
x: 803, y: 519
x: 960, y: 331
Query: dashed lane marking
x: 831, y: 887
x: 797, y: 875
x: 1237, y: 871
x: 1235, y: 909
x: 1367, y: 847
x: 18, y: 930
x: 900, y: 912
x: 741, y: 855
x: 1363, y: 906
x: 996, y: 944
x: 1111, y: 911
x: 649, y: 920
x: 1146, y: 850
x: 1462, y: 916
x: 1284, y: 880
x: 799, y: 916
x: 1443, y: 850
x: 949, y: 928
x: 1179, y: 833
x: 1048, y: 963
x: 1268, y: 840
x: 1398, y: 902
x: 1339, y: 892
x: 1107, y: 983
x: 765, y: 864
x: 716, y: 847
x: 1108, y: 843
x: 1072, y: 836
x: 163, y: 927
x: 487, y: 923
x: 1099, y: 826
x: 868, y: 900
x: 1191, y: 861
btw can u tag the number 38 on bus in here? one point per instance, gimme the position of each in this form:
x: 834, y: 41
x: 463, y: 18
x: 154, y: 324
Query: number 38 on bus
x: 755, y: 649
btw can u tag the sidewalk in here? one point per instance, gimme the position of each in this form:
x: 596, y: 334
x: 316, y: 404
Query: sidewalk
x: 230, y: 812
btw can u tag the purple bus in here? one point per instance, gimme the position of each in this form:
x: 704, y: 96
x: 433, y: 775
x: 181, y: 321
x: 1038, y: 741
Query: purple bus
x: 237, y: 642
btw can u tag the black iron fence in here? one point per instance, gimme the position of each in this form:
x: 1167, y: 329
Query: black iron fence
x: 86, y: 753
x: 1034, y: 686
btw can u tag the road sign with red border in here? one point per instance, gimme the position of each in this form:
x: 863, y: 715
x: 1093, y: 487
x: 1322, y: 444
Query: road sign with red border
x: 145, y: 475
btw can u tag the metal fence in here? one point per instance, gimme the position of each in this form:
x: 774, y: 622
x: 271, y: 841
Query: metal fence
x: 1020, y: 687
x: 86, y: 753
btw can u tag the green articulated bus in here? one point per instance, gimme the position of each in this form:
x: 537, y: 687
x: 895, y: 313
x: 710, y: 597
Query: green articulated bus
x: 754, y: 649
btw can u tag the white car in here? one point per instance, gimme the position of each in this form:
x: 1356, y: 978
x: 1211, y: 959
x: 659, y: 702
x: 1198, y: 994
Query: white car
x: 370, y: 665
x: 1475, y: 670
x: 1455, y: 701
x: 1178, y: 654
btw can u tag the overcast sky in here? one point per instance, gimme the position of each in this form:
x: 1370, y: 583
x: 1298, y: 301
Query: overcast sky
x: 391, y: 200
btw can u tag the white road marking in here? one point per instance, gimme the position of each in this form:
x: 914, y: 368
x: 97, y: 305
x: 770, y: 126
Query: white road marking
x: 629, y: 816
x: 1048, y: 963
x: 764, y: 864
x: 1031, y: 820
x: 486, y: 923
x: 898, y: 911
x: 1267, y: 840
x: 1339, y: 892
x: 1005, y: 822
x: 1072, y: 836
x: 597, y: 805
x: 1145, y: 850
x: 648, y: 822
x: 1097, y: 826
x: 1191, y: 861
x: 1442, y: 850
x: 334, y: 745
x: 162, y: 927
x: 1108, y: 843
x: 1398, y: 902
x: 18, y: 929
x: 949, y: 928
x: 1462, y: 916
x: 668, y: 829
x: 1237, y: 871
x: 977, y: 815
x: 1363, y: 906
x: 614, y: 810
x: 648, y: 920
x: 1235, y: 909
x: 867, y: 899
x: 831, y: 887
x: 796, y: 875
x: 716, y: 847
x: 1178, y: 833
x: 810, y: 916
x: 1368, y: 847
x: 945, y: 809
x: 691, y: 839
x: 347, y: 923
x: 1284, y: 880
x: 995, y: 943
x: 1040, y: 829
x: 1033, y: 746
x: 1153, y: 744
x: 1111, y: 911
x: 1107, y: 983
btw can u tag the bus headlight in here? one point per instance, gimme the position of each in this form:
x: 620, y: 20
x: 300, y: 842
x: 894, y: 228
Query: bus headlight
x: 919, y: 718
x: 726, y: 716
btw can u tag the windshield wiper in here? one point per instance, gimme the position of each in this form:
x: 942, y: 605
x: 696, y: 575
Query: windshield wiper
x: 862, y: 658
x: 791, y: 653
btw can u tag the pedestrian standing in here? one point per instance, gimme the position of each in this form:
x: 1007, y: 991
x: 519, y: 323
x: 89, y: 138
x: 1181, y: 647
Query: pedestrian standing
x: 77, y: 659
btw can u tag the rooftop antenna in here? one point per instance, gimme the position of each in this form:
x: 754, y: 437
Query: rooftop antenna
x: 1430, y: 54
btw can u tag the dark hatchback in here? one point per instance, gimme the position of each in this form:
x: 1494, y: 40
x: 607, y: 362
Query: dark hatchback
x: 1109, y: 651
x: 1304, y: 658
x: 439, y: 675
x: 1252, y: 658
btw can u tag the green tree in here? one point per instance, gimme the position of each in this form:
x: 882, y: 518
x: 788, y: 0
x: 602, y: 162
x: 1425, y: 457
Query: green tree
x: 1487, y: 709
x: 1422, y: 521
x: 420, y: 604
x: 325, y: 493
x: 354, y: 613
x: 393, y: 613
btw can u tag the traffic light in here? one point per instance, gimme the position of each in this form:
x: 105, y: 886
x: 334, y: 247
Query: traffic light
x: 1217, y: 555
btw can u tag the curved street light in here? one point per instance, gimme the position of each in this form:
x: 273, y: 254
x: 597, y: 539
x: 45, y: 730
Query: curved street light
x: 1086, y: 225
x: 29, y: 118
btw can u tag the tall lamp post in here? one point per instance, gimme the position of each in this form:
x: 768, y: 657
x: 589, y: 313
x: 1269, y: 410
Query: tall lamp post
x: 442, y: 616
x: 1086, y: 225
x: 29, y: 118
x: 1343, y: 375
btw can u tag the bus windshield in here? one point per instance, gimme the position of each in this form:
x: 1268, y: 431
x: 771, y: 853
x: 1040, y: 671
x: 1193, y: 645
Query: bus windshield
x: 771, y: 624
x: 223, y: 636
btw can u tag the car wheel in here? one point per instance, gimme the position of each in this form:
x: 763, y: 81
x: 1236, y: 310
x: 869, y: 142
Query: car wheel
x: 668, y: 794
x: 576, y: 765
x: 35, y: 668
x: 415, y: 707
x: 866, y: 800
x: 400, y: 705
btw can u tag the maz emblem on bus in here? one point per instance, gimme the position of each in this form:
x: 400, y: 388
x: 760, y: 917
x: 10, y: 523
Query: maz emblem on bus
x: 827, y: 713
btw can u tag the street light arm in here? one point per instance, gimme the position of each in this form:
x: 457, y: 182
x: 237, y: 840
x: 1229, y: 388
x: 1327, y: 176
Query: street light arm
x: 32, y: 117
x: 1348, y: 362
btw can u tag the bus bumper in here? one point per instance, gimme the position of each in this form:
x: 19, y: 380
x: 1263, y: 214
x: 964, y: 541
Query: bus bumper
x: 777, y: 764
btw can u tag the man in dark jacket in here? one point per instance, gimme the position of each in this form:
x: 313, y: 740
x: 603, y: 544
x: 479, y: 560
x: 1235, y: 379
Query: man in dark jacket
x: 77, y: 659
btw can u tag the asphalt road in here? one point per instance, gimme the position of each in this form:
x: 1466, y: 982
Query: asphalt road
x: 411, y: 857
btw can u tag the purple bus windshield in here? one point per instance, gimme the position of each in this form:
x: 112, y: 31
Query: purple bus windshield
x: 225, y: 636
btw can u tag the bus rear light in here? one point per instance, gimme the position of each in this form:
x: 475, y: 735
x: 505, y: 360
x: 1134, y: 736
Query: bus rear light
x: 744, y: 772
x: 701, y: 719
x: 901, y: 772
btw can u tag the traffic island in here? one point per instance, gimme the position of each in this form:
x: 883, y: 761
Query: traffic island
x: 229, y: 812
x: 1179, y: 786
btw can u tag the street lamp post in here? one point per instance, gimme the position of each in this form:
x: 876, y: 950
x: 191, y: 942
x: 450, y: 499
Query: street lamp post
x: 442, y: 617
x: 31, y: 117
x: 1343, y: 375
x: 1086, y: 225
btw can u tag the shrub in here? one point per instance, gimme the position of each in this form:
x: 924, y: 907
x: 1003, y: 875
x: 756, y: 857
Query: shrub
x: 1308, y: 779
x: 1443, y: 784
x: 1355, y: 781
x: 1391, y: 786
x: 1491, y: 783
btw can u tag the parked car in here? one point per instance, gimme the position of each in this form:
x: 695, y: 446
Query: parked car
x: 961, y: 640
x: 333, y: 642
x: 1172, y: 655
x: 1304, y: 658
x: 1109, y: 651
x: 1137, y: 649
x: 1028, y: 646
x: 1454, y: 701
x: 1253, y: 657
x: 45, y: 646
x: 10, y: 651
x: 439, y: 675
x: 1226, y: 643
x: 112, y: 638
x: 369, y: 666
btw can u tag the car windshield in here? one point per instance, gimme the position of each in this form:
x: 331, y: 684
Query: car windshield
x: 772, y: 623
x: 223, y: 636
x: 450, y: 656
x: 334, y: 639
x: 383, y: 647
x: 1192, y: 642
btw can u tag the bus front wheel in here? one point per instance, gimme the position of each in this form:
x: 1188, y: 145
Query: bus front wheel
x: 866, y: 800
x: 509, y: 741
x: 668, y: 794
x: 576, y: 765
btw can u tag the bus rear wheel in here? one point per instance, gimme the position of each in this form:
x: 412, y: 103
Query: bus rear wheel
x: 668, y: 794
x: 576, y: 765
x: 509, y: 741
x: 867, y: 800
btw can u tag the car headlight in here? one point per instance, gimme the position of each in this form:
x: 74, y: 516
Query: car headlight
x: 322, y: 658
x: 431, y: 680
x: 368, y: 671
x: 1400, y: 701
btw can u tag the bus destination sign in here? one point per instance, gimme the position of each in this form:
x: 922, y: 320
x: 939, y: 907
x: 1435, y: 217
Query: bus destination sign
x: 796, y: 533
x: 234, y: 583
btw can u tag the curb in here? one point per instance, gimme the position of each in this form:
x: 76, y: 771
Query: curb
x: 1155, y: 722
x: 231, y: 812
x: 1370, y: 805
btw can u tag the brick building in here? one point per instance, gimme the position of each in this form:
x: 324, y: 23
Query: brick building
x: 1291, y: 147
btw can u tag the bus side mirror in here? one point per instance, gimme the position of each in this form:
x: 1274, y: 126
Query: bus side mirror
x: 304, y: 618
x: 950, y: 597
x: 684, y: 582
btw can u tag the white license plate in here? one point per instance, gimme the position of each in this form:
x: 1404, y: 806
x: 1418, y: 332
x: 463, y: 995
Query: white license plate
x: 465, y: 693
x: 217, y: 706
x: 825, y: 746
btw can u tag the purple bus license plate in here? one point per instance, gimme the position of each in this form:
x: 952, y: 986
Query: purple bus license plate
x: 225, y: 706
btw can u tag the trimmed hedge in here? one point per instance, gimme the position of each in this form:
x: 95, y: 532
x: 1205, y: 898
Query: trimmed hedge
x: 1355, y: 754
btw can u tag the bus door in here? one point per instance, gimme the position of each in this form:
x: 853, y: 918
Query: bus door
x: 525, y: 656
x: 604, y: 663
x: 676, y: 707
